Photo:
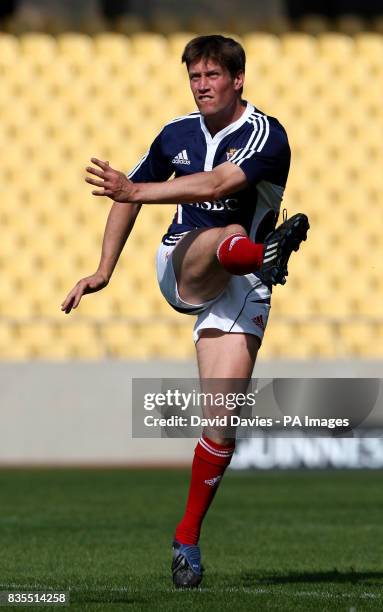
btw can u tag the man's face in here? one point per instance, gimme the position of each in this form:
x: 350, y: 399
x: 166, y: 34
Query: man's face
x: 213, y: 87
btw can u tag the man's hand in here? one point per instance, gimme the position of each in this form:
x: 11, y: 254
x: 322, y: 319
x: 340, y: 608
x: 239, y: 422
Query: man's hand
x: 90, y: 284
x: 113, y: 184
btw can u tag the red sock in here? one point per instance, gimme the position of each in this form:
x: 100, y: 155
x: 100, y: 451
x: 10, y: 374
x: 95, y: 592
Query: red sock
x: 240, y: 255
x: 209, y: 464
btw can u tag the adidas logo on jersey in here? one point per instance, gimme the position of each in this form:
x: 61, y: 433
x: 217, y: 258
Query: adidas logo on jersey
x: 181, y: 158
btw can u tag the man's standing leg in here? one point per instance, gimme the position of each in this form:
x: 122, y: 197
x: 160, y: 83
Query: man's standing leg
x: 229, y: 358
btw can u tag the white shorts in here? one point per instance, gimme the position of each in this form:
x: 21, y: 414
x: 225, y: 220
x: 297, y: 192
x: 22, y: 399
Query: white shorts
x: 243, y: 307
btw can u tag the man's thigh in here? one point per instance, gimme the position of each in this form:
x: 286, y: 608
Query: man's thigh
x: 200, y: 277
x: 225, y: 363
x: 227, y: 356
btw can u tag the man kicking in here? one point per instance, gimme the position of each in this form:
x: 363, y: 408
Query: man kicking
x: 221, y: 254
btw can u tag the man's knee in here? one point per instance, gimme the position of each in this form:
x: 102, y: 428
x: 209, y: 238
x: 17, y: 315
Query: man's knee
x: 233, y: 228
x: 222, y: 437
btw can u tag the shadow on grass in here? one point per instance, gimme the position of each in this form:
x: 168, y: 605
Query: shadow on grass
x: 331, y: 576
x: 105, y: 598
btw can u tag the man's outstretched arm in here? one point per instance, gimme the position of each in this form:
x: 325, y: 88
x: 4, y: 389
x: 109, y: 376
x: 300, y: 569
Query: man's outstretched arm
x: 223, y: 180
x: 120, y: 223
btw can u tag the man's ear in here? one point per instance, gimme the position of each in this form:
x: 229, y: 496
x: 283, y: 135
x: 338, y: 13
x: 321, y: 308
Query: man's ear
x: 239, y: 80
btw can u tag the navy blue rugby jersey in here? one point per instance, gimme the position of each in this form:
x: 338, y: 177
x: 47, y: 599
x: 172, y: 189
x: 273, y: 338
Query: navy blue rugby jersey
x: 255, y: 142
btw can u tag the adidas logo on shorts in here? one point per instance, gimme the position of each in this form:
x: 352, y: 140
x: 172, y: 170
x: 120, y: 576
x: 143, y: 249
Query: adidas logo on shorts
x: 181, y: 158
x: 258, y: 320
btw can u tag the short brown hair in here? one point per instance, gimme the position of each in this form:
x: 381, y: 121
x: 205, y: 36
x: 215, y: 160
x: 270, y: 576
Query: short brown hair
x: 225, y: 51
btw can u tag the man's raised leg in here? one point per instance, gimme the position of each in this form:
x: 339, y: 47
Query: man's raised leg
x: 201, y: 272
x: 205, y: 258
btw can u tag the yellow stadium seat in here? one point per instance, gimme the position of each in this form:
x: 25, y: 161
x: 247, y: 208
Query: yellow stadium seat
x: 173, y: 78
x: 319, y: 336
x: 368, y: 104
x: 77, y: 97
x: 17, y: 307
x: 159, y: 305
x: 369, y: 46
x: 38, y: 47
x: 182, y: 345
x: 164, y: 341
x: 57, y: 351
x: 7, y: 336
x: 369, y: 304
x: 140, y: 347
x: 15, y: 351
x: 338, y: 49
x: 149, y: 340
x: 114, y: 46
x: 331, y: 303
x: 183, y: 103
x: 34, y: 137
x: 37, y: 337
x: 358, y: 339
x: 134, y: 304
x: 119, y: 340
x: 290, y: 302
x: 378, y: 335
x: 76, y: 48
x: 100, y: 73
x: 150, y: 47
x: 58, y: 75
x: 47, y: 306
x: 317, y: 77
x: 82, y: 340
x: 9, y: 50
x: 19, y: 82
x: 299, y: 46
x: 282, y: 340
x: 264, y: 48
x: 177, y: 43
x: 97, y: 307
x: 135, y: 76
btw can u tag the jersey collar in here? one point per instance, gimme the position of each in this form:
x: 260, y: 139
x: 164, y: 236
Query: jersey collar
x: 229, y: 128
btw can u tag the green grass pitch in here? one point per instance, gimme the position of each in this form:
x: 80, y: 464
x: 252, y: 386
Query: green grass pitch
x: 272, y: 541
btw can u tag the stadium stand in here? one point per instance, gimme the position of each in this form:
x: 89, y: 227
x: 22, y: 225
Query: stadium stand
x: 57, y: 112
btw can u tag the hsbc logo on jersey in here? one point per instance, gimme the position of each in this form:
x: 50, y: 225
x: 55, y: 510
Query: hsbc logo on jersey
x: 258, y: 320
x: 218, y: 205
